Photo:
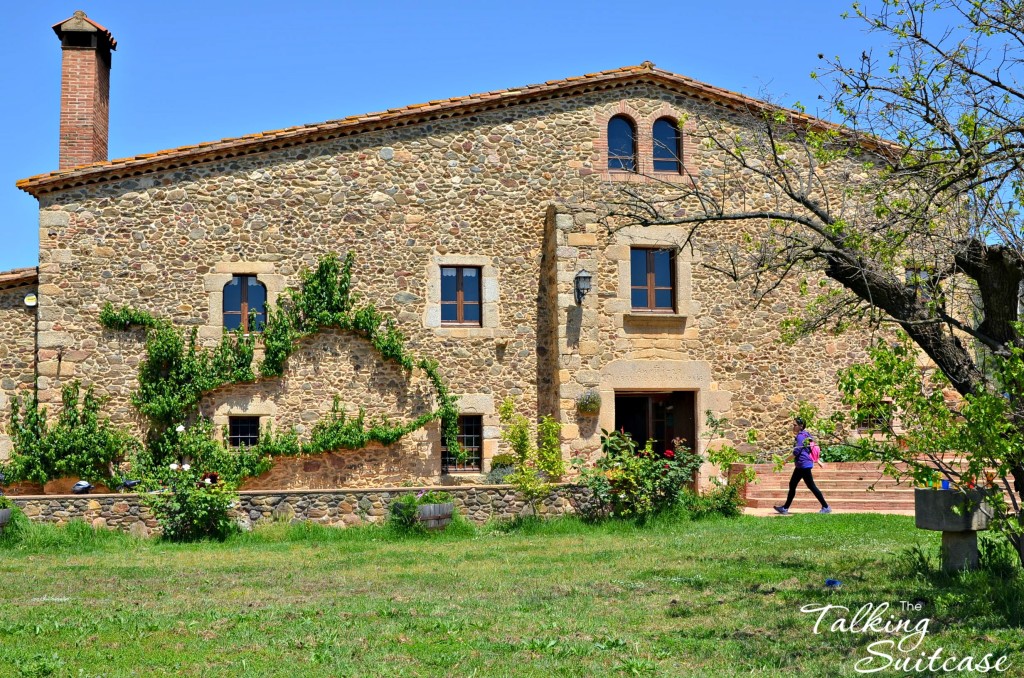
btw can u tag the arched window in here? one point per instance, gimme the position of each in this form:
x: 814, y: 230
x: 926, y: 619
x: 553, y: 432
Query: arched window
x: 668, y: 151
x: 245, y: 302
x: 621, y: 144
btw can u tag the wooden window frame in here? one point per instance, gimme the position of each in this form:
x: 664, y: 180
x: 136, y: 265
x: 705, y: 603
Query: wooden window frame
x: 459, y: 302
x: 233, y: 438
x: 650, y: 287
x: 244, y: 303
x: 473, y: 462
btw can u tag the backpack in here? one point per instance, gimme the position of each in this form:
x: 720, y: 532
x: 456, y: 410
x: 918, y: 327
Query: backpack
x: 815, y: 450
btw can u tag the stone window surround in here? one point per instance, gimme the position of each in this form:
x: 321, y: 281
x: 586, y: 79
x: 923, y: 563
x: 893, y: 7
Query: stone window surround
x: 645, y: 145
x: 247, y: 405
x: 659, y: 376
x: 481, y: 404
x: 490, y: 319
x: 686, y: 256
x: 221, y: 275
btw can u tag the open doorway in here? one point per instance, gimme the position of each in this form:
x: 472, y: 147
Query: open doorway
x: 660, y: 417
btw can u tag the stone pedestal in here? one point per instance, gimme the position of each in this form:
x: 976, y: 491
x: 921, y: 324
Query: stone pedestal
x: 936, y: 510
x: 959, y: 551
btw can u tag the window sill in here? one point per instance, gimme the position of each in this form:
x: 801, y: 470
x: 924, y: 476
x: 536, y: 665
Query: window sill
x: 654, y: 323
x: 647, y: 316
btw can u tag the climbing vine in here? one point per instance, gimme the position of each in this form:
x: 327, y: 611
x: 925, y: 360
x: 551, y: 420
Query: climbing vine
x: 176, y: 373
x: 80, y: 443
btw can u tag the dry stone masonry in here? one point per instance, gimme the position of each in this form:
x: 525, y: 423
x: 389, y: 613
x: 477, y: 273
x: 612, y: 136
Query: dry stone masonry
x: 514, y: 188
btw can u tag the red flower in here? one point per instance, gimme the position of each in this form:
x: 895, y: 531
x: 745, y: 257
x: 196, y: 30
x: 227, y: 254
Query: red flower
x: 669, y: 454
x: 666, y: 466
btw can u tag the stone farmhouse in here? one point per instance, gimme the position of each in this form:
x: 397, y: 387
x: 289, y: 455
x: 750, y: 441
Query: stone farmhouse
x: 468, y: 218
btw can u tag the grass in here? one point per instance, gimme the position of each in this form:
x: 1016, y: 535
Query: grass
x: 673, y: 598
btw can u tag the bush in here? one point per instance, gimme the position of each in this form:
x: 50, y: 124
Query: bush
x: 837, y: 453
x: 722, y: 500
x: 193, y: 506
x: 533, y: 468
x: 79, y: 444
x: 627, y: 482
x: 403, y: 512
x: 502, y: 466
x: 15, y: 528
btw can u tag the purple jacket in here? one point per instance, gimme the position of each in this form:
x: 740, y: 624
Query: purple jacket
x: 802, y: 450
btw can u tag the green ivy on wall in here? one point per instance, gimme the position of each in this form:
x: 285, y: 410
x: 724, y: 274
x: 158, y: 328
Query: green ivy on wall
x: 80, y: 443
x: 176, y: 373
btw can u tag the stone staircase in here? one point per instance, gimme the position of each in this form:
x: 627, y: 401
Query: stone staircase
x: 846, y: 486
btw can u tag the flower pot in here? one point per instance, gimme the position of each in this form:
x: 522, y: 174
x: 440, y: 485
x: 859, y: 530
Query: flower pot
x: 5, y: 517
x: 435, y: 516
x: 933, y: 510
x: 64, y: 485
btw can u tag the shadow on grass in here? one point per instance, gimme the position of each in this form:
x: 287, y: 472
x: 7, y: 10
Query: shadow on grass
x: 989, y: 598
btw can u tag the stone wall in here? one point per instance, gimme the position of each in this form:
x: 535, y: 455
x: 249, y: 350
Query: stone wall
x: 17, y: 349
x: 339, y: 508
x: 470, y: 189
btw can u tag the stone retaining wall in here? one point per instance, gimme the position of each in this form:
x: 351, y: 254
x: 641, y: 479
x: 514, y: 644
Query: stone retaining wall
x: 340, y: 508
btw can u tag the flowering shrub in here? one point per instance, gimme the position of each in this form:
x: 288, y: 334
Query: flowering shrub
x: 192, y: 505
x: 628, y: 482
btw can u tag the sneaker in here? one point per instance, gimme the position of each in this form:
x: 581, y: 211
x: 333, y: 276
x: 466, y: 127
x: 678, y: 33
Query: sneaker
x: 827, y: 509
x: 781, y: 509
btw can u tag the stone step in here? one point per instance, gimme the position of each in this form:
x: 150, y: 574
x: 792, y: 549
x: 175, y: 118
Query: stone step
x: 837, y: 482
x: 861, y: 493
x: 863, y: 505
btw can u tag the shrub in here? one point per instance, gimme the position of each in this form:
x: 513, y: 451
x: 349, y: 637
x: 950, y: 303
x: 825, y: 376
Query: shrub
x: 12, y: 532
x: 627, y: 482
x: 721, y: 500
x: 531, y: 470
x: 193, y: 506
x: 403, y: 512
x: 838, y: 453
x: 80, y: 443
x: 502, y: 466
x: 549, y: 448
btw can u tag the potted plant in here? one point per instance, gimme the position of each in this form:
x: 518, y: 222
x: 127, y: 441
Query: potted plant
x: 588, y: 402
x: 6, y: 511
x: 435, y: 509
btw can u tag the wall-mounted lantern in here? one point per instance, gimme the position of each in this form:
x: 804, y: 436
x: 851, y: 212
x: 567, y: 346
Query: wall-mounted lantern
x: 582, y: 284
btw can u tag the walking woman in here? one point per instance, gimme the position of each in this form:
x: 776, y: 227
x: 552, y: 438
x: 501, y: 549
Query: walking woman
x: 804, y: 464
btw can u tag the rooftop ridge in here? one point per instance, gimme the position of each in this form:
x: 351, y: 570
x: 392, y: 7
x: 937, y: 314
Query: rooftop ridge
x: 230, y: 147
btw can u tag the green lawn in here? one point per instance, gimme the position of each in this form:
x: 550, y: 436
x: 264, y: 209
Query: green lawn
x: 678, y: 598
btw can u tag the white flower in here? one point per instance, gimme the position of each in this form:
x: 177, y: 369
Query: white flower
x: 174, y: 467
x: 185, y: 467
x: 181, y: 428
x: 207, y: 481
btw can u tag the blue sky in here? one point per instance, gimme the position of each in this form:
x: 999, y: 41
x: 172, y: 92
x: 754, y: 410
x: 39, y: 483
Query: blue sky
x: 189, y: 71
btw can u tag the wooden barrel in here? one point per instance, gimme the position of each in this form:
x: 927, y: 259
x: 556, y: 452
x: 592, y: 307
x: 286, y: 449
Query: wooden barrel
x: 436, y: 516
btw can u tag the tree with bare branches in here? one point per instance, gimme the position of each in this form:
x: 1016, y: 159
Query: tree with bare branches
x: 908, y: 206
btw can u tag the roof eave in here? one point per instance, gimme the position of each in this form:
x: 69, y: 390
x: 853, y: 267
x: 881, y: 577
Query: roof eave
x: 125, y: 168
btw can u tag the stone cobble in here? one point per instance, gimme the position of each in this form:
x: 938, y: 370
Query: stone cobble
x: 404, y: 200
x: 337, y: 508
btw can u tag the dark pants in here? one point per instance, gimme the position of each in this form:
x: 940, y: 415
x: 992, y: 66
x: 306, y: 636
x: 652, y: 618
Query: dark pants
x: 805, y: 475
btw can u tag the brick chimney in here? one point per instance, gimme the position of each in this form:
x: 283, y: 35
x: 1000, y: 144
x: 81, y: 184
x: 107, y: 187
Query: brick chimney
x: 84, y: 90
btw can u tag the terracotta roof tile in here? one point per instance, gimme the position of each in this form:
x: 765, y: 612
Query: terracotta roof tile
x: 19, y: 276
x: 81, y: 16
x: 253, y: 143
